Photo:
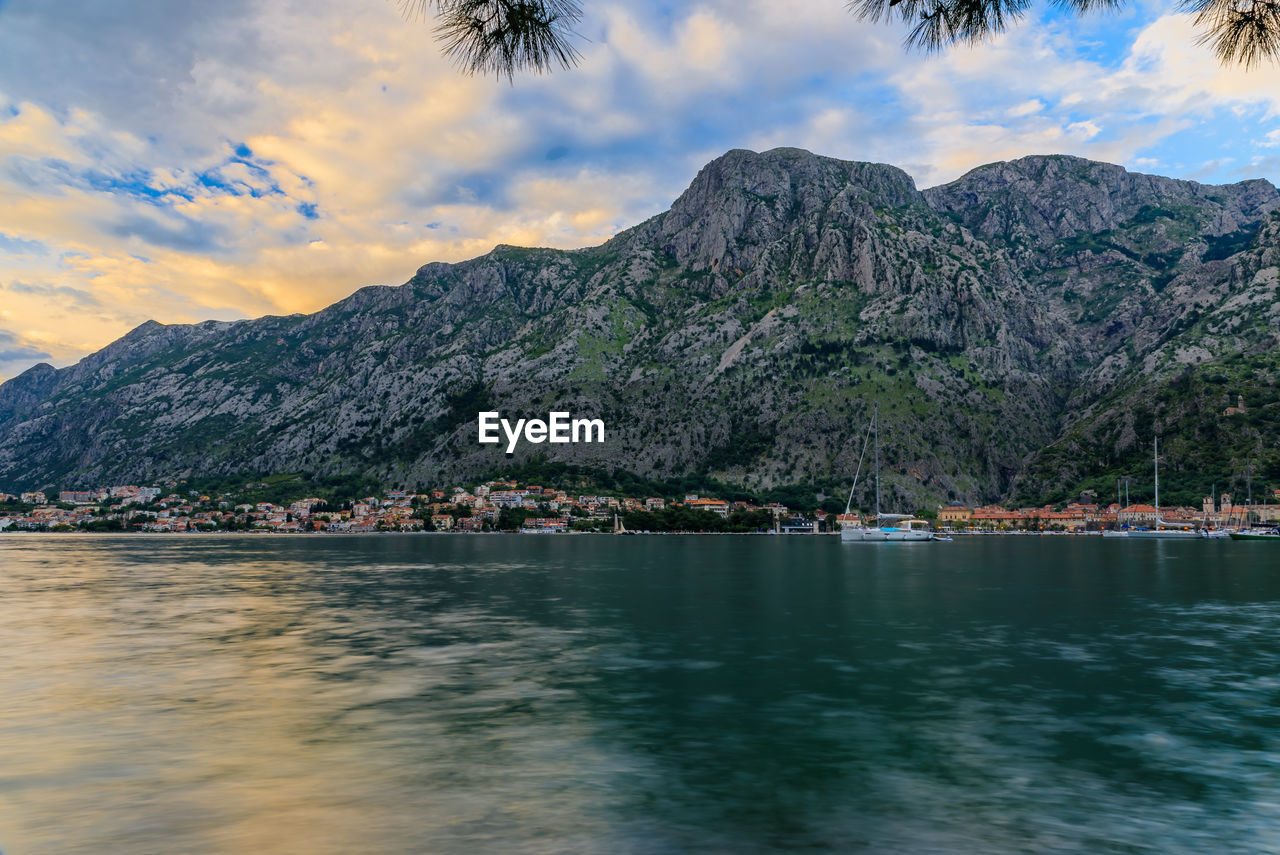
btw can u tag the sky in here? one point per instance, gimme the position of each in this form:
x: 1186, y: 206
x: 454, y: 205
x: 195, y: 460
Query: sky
x: 186, y: 161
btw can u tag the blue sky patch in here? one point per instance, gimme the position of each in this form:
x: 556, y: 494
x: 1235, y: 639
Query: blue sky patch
x: 12, y: 245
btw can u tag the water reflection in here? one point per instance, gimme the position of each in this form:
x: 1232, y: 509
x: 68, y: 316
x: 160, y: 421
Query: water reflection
x: 499, y: 694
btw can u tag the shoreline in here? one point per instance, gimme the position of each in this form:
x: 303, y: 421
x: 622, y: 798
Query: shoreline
x: 332, y: 534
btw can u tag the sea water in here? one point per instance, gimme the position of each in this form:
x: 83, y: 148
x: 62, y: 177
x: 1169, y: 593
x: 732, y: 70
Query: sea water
x: 599, y: 694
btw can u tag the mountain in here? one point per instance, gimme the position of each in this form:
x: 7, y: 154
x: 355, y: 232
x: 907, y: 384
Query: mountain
x: 1025, y: 329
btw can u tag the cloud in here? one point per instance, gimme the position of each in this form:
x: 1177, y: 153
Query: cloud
x: 63, y: 292
x: 133, y: 60
x: 1031, y: 91
x: 1026, y: 108
x: 17, y: 355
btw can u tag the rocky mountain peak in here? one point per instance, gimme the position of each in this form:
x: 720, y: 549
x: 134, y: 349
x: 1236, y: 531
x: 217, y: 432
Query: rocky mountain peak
x: 1048, y: 198
x: 745, y: 197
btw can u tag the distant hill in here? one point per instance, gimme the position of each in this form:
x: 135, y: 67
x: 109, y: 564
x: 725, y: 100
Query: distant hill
x: 1025, y: 330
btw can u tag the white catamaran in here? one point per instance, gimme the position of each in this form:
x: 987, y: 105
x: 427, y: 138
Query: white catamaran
x: 889, y: 527
x: 1164, y: 529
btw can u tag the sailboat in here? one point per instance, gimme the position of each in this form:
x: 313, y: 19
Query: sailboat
x: 1164, y: 530
x: 889, y: 527
x: 1246, y: 531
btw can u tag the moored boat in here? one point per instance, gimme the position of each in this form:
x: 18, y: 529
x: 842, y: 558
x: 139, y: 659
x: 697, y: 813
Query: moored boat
x: 905, y: 530
x: 1164, y: 534
x: 889, y: 528
x: 1272, y: 535
x: 1163, y: 530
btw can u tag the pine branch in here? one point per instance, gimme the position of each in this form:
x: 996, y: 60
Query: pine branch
x: 503, y: 36
x: 1246, y: 32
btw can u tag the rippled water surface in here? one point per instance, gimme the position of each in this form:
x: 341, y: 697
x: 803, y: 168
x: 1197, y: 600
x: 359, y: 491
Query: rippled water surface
x: 504, y: 694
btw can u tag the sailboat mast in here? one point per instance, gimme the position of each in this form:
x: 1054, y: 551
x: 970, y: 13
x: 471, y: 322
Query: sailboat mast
x: 1249, y: 498
x: 1156, y: 459
x: 861, y: 456
x: 875, y: 419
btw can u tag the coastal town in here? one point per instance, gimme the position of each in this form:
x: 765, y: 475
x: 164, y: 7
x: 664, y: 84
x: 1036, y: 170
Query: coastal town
x: 492, y: 506
x: 506, y: 506
x: 1074, y: 516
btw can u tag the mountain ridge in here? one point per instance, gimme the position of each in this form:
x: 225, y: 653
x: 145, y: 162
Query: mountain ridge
x: 743, y: 332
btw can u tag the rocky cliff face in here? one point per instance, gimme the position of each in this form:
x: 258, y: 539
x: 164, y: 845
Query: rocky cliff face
x: 1005, y: 323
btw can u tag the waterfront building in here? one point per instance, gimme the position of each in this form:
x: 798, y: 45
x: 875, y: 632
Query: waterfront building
x: 1137, y: 515
x: 716, y: 506
x: 799, y: 525
x: 545, y: 524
